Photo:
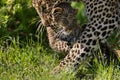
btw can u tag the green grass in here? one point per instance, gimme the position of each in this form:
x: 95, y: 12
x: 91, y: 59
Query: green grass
x: 34, y: 61
x: 31, y: 62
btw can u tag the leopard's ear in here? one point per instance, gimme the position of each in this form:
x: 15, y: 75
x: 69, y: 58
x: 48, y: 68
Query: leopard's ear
x: 57, y: 10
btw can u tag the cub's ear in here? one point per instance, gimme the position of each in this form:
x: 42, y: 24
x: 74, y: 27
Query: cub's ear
x: 57, y: 10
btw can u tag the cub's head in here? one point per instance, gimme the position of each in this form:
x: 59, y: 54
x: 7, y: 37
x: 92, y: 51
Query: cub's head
x: 63, y: 17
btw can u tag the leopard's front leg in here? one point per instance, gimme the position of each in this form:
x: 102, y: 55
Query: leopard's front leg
x: 36, y: 4
x: 71, y: 62
x: 55, y: 43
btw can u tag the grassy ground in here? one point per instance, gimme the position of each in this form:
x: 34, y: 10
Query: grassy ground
x: 34, y: 61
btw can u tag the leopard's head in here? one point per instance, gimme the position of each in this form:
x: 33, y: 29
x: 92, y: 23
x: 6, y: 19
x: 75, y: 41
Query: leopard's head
x: 59, y: 16
x: 63, y: 18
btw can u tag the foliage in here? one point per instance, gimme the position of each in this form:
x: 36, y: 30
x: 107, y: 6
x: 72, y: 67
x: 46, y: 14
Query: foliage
x: 81, y: 16
x: 16, y: 17
x: 34, y: 62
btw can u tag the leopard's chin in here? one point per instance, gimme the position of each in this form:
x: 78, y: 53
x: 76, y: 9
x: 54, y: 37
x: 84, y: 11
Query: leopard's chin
x: 67, y: 32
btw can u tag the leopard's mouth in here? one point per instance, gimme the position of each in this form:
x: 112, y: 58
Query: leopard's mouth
x: 67, y: 32
x: 62, y: 34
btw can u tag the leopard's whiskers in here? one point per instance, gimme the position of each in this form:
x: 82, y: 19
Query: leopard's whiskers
x: 59, y: 34
x: 40, y: 27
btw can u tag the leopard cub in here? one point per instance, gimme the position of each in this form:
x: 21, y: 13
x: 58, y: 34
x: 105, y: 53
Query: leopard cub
x: 59, y: 20
x: 64, y: 19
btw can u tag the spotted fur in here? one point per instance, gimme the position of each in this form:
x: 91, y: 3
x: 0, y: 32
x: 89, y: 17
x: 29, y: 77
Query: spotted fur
x: 55, y: 19
x: 103, y: 18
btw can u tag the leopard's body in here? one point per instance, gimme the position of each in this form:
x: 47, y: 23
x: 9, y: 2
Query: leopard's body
x: 103, y: 19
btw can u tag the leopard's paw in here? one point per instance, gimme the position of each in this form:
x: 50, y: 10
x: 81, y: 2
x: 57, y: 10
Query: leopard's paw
x: 56, y: 70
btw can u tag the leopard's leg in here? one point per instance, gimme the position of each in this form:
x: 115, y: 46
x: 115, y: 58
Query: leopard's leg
x: 73, y: 59
x: 118, y: 50
x: 56, y: 44
x: 109, y: 53
x: 80, y: 50
x: 36, y: 4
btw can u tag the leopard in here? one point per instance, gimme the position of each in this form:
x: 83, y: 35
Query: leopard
x: 59, y: 20
x: 71, y: 32
x: 75, y: 55
x: 103, y: 20
x: 63, y: 18
x: 65, y: 30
